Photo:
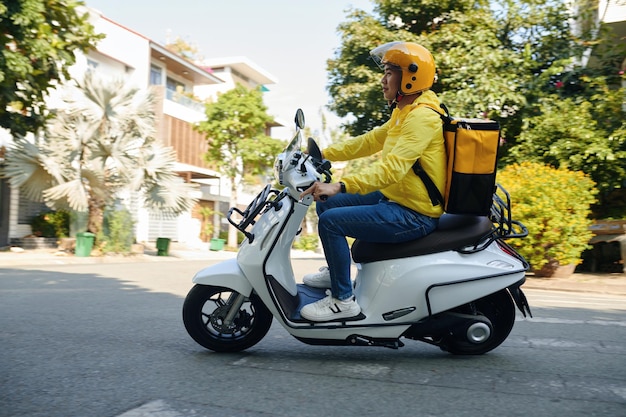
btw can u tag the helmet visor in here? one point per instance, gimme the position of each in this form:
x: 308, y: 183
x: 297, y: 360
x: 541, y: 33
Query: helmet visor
x: 379, y: 54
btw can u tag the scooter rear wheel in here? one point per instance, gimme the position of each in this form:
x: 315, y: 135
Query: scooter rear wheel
x: 205, y: 309
x: 500, y: 310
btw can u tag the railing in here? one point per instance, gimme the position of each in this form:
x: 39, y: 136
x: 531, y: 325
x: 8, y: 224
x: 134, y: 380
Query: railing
x: 184, y: 100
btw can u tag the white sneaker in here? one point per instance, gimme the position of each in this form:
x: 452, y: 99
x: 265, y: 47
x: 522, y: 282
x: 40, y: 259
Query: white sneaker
x: 319, y: 279
x: 331, y: 309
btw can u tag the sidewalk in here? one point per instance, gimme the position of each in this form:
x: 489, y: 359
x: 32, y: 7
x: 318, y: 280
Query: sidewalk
x: 177, y: 252
x: 609, y: 283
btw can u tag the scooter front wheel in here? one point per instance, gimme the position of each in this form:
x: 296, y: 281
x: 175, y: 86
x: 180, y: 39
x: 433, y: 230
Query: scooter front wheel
x: 210, y: 322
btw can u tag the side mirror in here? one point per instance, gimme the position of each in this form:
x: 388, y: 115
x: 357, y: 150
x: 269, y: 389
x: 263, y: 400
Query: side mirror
x: 299, y: 119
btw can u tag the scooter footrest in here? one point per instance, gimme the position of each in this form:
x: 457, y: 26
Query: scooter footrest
x: 297, y: 318
x: 361, y: 316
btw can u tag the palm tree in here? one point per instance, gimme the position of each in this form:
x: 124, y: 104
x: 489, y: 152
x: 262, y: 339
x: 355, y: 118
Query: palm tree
x: 102, y: 141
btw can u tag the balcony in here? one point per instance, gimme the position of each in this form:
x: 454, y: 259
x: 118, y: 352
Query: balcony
x: 183, y: 100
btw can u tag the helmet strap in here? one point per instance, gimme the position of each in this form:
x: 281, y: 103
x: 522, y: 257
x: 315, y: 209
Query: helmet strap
x: 394, y: 103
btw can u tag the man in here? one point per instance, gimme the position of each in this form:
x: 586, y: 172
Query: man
x: 386, y: 203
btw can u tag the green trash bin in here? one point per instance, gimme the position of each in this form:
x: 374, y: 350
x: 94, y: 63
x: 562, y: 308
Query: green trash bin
x: 217, y: 244
x: 163, y: 246
x: 84, y: 243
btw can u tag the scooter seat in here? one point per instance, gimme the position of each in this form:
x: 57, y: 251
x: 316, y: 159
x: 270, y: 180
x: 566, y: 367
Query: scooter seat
x: 454, y: 232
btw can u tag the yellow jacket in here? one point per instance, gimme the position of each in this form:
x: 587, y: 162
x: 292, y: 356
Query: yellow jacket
x: 415, y: 132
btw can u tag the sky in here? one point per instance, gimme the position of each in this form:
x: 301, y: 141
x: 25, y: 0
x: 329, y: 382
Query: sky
x: 290, y: 39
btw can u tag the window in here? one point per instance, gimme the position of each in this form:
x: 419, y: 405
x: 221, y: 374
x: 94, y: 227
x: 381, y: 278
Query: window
x: 91, y: 64
x: 173, y: 85
x: 156, y: 75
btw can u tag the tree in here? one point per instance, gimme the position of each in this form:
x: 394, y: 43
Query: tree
x: 238, y: 146
x: 508, y: 60
x: 101, y: 143
x: 39, y: 39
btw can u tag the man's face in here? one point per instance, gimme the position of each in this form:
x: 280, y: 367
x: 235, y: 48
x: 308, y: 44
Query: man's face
x: 391, y: 82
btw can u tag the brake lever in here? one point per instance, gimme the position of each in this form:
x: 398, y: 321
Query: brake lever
x: 324, y: 166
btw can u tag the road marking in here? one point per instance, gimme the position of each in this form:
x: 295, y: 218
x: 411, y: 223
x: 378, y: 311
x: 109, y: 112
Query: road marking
x: 554, y: 320
x: 609, y: 348
x: 157, y: 408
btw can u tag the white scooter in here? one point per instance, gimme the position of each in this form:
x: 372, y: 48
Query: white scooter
x: 456, y: 288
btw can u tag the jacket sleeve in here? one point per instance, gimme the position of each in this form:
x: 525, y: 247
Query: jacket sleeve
x: 415, y: 135
x: 359, y: 146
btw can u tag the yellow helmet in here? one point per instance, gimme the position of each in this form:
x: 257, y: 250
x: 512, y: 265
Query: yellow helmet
x: 415, y: 61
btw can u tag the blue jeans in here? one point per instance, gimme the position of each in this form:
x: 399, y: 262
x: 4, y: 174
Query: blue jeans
x: 370, y: 217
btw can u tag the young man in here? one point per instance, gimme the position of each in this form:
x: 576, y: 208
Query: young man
x: 386, y: 203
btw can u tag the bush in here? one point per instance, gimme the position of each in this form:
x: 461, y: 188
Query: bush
x: 308, y: 242
x: 224, y: 235
x: 52, y: 224
x: 117, y: 232
x: 554, y: 204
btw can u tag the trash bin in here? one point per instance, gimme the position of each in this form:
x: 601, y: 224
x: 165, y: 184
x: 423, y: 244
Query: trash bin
x: 217, y: 244
x: 163, y: 246
x: 84, y: 243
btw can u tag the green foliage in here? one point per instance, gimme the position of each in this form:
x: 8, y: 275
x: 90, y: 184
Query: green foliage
x: 52, y: 224
x: 308, y: 242
x: 117, y: 234
x: 38, y: 38
x: 421, y: 16
x: 554, y: 204
x: 240, y: 236
x: 61, y: 222
x: 207, y: 214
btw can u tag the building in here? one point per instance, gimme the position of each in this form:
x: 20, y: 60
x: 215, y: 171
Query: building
x: 144, y: 62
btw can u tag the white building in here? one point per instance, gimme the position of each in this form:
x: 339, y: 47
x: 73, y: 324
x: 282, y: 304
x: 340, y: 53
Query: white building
x: 144, y: 63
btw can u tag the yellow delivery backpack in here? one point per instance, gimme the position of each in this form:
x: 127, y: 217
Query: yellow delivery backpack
x: 472, y: 150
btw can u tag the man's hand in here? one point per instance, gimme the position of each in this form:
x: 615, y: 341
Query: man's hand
x: 321, y: 190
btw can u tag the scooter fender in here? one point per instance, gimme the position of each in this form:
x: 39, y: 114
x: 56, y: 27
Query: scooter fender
x: 224, y: 274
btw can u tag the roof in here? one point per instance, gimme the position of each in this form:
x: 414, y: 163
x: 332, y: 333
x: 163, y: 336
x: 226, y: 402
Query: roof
x: 180, y: 65
x: 242, y: 65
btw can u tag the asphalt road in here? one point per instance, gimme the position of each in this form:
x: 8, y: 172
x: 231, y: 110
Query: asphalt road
x: 108, y: 340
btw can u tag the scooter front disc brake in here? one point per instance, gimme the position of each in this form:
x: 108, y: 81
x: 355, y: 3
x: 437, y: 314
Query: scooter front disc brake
x: 217, y: 320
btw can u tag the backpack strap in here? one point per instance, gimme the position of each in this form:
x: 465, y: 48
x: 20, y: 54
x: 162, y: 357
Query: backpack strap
x: 433, y: 192
x: 445, y: 117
